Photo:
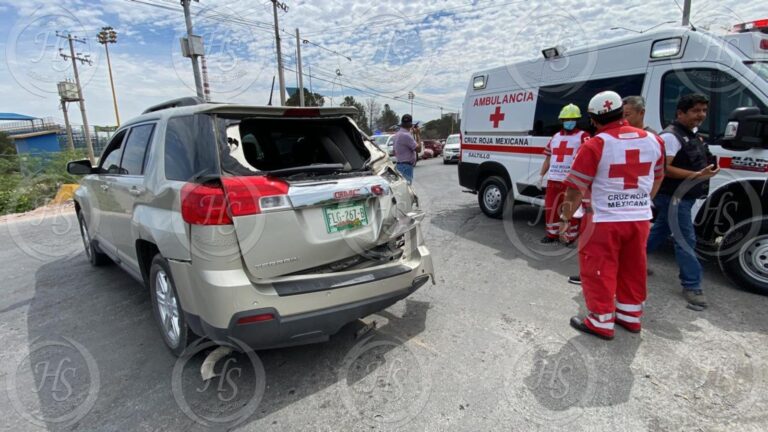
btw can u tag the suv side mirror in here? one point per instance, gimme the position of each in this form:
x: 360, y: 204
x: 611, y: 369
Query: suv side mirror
x: 746, y: 129
x: 81, y: 167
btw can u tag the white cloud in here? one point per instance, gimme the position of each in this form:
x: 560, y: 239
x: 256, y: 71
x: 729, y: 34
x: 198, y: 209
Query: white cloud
x: 430, y: 47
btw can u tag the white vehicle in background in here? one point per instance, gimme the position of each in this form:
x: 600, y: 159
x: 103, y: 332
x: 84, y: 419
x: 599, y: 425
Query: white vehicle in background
x: 511, y: 112
x: 452, y: 149
x: 386, y: 144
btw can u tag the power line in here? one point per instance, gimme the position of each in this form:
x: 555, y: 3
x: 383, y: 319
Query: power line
x: 368, y: 92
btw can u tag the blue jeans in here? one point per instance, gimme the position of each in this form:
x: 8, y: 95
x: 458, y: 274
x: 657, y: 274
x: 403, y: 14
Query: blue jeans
x: 406, y: 170
x: 684, y: 236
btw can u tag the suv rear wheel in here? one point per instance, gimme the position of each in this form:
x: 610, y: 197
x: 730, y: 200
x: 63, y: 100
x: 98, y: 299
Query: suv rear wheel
x: 167, y: 307
x: 748, y: 263
x: 491, y: 196
x: 95, y: 257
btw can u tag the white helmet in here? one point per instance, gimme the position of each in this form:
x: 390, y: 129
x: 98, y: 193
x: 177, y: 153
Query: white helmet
x: 604, y: 102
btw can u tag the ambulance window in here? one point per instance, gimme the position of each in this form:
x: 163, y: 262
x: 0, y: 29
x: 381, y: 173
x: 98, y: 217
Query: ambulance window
x: 725, y: 94
x: 552, y: 99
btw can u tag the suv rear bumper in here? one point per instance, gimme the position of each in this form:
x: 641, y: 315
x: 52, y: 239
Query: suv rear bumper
x: 306, y: 328
x: 304, y: 309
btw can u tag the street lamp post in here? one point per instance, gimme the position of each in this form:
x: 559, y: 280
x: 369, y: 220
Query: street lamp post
x: 108, y: 35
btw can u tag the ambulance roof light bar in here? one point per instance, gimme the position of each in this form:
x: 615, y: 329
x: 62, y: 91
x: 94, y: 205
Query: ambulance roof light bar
x: 750, y: 26
x: 553, y: 52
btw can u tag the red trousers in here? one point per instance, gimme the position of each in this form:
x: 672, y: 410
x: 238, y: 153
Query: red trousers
x: 612, y: 257
x: 553, y: 200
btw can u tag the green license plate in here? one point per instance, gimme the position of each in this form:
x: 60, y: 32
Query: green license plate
x: 341, y: 217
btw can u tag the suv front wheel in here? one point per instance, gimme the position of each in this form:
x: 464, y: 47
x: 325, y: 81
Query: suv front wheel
x: 491, y: 196
x: 167, y: 307
x: 95, y: 257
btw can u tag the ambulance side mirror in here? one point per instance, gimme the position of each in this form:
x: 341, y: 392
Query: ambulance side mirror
x: 747, y: 128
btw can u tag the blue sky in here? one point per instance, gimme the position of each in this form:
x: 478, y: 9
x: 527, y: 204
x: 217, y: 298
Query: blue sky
x: 429, y: 47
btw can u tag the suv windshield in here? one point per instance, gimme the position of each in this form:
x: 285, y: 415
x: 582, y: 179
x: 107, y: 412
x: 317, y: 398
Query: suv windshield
x: 760, y: 68
x: 453, y: 139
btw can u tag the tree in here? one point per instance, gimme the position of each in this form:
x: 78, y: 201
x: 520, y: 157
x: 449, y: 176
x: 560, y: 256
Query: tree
x: 387, y: 119
x: 373, y: 113
x: 440, y: 128
x: 6, y: 145
x: 361, y: 118
x: 310, y: 99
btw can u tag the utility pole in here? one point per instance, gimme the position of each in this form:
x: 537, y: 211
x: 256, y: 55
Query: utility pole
x: 82, y: 59
x: 193, y: 53
x: 686, y: 13
x: 298, y: 64
x: 108, y: 35
x: 410, y: 98
x: 70, y: 140
x: 206, y: 86
x: 276, y: 4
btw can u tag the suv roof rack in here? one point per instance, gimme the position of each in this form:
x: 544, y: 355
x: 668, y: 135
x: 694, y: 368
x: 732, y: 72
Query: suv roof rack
x: 175, y: 103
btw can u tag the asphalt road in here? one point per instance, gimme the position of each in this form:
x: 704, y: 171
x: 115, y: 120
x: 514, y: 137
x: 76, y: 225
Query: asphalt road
x: 486, y: 348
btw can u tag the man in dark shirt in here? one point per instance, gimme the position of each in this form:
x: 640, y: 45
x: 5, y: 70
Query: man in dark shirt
x: 689, y: 168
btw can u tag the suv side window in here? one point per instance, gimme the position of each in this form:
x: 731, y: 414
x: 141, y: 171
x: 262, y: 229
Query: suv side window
x: 190, y: 148
x: 725, y: 94
x: 552, y: 99
x: 134, y: 155
x: 109, y: 162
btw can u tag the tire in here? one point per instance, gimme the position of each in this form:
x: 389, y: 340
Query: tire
x: 445, y: 162
x: 491, y: 196
x: 743, y: 255
x: 166, y: 307
x: 92, y: 252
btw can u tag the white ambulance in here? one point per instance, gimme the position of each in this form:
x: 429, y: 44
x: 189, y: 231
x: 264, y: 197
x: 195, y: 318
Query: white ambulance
x: 511, y: 112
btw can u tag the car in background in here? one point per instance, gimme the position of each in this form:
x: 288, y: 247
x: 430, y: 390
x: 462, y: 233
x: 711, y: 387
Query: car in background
x: 386, y: 143
x: 452, y: 149
x: 435, y: 146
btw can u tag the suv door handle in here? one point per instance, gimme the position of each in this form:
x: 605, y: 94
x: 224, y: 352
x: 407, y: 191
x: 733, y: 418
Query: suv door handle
x: 135, y: 190
x: 104, y: 187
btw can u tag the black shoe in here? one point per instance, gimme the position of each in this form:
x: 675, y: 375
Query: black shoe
x: 548, y: 240
x: 576, y: 280
x: 579, y: 325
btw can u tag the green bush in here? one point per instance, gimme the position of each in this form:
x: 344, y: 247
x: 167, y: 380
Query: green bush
x: 28, y: 182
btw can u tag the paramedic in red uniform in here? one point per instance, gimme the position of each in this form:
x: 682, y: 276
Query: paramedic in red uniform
x: 560, y: 152
x: 622, y: 167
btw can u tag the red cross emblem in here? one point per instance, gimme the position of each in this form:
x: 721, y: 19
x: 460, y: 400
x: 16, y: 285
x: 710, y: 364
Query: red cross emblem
x: 632, y: 170
x: 497, y: 117
x: 608, y: 105
x: 562, y: 151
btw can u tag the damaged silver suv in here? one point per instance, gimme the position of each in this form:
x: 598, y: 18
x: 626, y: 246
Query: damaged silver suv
x: 272, y: 226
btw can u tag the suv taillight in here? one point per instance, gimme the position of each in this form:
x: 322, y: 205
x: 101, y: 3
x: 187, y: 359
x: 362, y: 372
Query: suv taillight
x: 204, y: 204
x: 256, y: 194
x: 217, y: 204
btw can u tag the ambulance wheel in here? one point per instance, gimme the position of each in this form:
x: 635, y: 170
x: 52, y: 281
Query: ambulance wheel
x: 491, y: 196
x: 744, y: 255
